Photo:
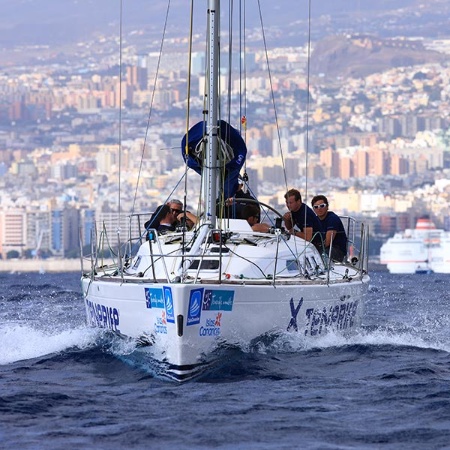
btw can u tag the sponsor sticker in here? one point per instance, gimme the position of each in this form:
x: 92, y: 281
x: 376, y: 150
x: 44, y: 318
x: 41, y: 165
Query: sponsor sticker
x: 161, y: 324
x: 168, y: 300
x: 218, y: 300
x: 195, y: 306
x: 212, y: 327
x: 154, y: 298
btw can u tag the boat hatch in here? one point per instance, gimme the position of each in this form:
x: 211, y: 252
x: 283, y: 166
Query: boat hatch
x: 292, y: 265
x: 206, y: 264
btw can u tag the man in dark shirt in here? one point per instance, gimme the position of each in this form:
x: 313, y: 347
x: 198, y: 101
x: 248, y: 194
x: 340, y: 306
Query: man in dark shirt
x: 163, y: 220
x: 302, y: 216
x: 234, y: 206
x: 333, y: 231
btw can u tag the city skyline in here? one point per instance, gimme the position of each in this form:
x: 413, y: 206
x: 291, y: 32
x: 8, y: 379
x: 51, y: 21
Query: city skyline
x: 384, y: 133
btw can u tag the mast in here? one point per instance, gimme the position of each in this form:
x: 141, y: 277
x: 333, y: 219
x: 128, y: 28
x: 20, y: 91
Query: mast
x: 210, y: 168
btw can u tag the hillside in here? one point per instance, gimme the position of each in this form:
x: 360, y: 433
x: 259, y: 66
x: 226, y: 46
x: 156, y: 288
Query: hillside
x: 48, y: 22
x: 359, y: 56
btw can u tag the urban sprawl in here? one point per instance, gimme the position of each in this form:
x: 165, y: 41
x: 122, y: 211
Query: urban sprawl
x: 377, y: 146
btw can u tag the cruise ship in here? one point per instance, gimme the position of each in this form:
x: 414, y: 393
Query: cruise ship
x: 424, y: 249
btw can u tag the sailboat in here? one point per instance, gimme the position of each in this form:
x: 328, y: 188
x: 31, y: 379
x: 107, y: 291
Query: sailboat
x: 186, y: 293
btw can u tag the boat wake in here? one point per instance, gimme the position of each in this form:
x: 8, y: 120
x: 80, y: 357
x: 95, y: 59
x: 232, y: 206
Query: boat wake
x: 267, y: 356
x: 276, y: 355
x: 20, y: 341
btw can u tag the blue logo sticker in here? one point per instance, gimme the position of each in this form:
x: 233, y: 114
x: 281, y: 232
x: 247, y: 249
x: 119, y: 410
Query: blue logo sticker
x: 154, y: 298
x: 195, y: 306
x: 218, y: 300
x: 170, y: 315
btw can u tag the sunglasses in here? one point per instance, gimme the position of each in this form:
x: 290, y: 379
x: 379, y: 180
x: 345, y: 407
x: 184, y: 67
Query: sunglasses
x: 176, y: 211
x: 322, y: 205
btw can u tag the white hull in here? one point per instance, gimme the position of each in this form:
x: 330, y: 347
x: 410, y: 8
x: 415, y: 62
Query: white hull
x: 187, y: 322
x: 187, y: 317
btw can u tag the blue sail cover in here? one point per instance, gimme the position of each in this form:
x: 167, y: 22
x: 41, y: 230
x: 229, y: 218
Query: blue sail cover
x: 230, y: 136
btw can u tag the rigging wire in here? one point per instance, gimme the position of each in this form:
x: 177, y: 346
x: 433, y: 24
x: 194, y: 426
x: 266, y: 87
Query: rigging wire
x: 243, y: 79
x: 188, y: 110
x: 308, y: 66
x: 120, y: 108
x: 308, y: 98
x: 272, y: 94
x: 119, y: 206
x: 307, y: 102
x: 222, y: 161
x: 144, y: 145
x: 230, y: 57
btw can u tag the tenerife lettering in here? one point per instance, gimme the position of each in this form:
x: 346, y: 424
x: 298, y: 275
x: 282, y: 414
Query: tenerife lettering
x: 294, y: 314
x: 339, y: 317
x: 102, y: 316
x: 212, y: 326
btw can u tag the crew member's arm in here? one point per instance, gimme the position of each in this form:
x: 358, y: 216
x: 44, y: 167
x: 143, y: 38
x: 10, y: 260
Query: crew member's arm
x: 329, y: 237
x: 287, y: 217
x: 306, y: 234
x: 189, y: 215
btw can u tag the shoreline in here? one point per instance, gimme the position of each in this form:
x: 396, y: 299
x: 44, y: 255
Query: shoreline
x: 74, y: 265
x: 40, y: 265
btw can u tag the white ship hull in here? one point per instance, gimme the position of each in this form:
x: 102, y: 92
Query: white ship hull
x: 424, y: 249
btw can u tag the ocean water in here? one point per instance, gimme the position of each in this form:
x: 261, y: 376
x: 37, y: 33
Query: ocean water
x: 64, y: 386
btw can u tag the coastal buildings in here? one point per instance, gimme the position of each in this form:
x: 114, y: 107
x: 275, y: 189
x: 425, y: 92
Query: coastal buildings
x: 376, y: 145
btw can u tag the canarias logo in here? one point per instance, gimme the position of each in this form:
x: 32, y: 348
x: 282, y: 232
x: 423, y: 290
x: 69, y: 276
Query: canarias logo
x: 212, y: 326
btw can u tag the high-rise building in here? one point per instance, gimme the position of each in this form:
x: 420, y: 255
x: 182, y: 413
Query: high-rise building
x: 361, y: 161
x: 399, y: 165
x: 64, y: 230
x: 12, y: 231
x: 137, y: 77
x: 330, y: 160
x: 346, y: 168
x: 378, y: 162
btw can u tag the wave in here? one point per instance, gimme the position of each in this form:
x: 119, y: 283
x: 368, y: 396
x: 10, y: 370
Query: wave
x: 21, y: 342
x: 266, y: 356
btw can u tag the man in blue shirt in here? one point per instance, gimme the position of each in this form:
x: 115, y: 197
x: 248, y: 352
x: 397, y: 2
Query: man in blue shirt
x: 302, y: 216
x: 333, y: 231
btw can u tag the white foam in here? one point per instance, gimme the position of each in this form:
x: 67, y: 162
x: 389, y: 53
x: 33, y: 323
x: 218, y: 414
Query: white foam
x: 297, y: 342
x: 20, y: 342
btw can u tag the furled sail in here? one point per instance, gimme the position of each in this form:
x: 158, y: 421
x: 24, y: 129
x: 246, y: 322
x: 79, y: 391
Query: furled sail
x: 232, y: 148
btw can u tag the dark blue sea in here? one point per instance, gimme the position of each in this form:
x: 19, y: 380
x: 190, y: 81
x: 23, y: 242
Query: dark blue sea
x: 65, y: 386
